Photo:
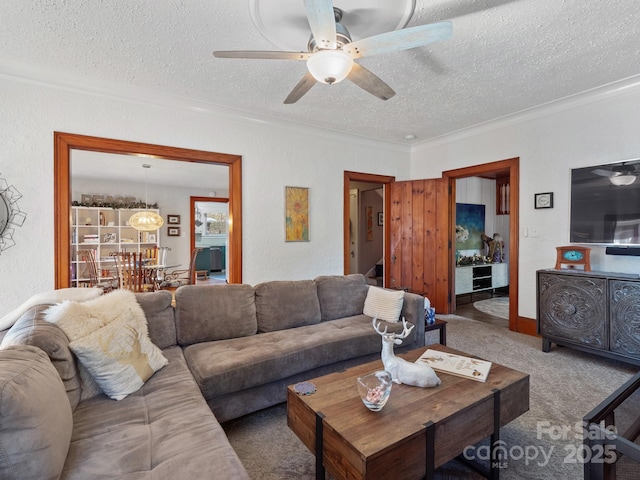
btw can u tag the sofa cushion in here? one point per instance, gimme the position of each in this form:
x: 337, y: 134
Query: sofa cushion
x: 236, y: 364
x: 32, y: 329
x: 119, y: 356
x: 286, y: 304
x: 165, y: 430
x: 384, y: 304
x: 35, y: 415
x: 341, y: 295
x: 160, y: 317
x: 214, y: 312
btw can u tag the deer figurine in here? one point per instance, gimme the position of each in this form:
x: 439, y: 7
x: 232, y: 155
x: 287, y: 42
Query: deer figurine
x: 402, y: 371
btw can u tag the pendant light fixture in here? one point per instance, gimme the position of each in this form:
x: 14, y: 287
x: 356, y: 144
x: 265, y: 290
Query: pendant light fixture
x: 146, y: 221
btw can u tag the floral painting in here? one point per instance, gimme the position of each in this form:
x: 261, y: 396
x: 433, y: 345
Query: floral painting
x: 297, y: 214
x: 469, y: 226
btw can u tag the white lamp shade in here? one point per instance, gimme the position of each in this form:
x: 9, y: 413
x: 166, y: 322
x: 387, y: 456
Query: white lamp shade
x: 622, y: 180
x: 329, y: 66
x: 146, y: 221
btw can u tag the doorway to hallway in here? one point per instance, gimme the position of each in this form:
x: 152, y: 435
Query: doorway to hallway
x: 365, y: 205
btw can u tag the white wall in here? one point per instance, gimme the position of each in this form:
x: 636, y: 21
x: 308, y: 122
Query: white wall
x: 274, y: 156
x: 591, y: 129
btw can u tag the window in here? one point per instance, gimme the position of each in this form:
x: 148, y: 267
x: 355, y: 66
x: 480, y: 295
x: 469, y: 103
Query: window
x: 216, y: 223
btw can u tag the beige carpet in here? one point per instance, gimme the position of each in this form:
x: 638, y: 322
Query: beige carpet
x: 498, y: 306
x: 564, y: 386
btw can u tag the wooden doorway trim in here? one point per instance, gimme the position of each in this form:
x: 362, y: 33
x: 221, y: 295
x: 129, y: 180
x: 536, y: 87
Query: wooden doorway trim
x: 192, y: 221
x: 65, y: 142
x: 510, y: 167
x: 370, y: 178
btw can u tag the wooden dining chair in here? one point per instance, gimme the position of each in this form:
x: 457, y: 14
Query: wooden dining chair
x: 131, y: 272
x: 152, y: 255
x: 91, y: 268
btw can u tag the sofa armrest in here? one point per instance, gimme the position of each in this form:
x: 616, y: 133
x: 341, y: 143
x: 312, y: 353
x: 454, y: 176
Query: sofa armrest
x: 413, y: 312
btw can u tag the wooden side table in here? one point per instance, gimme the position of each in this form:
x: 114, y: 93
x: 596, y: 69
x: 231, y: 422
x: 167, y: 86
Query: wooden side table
x: 438, y: 325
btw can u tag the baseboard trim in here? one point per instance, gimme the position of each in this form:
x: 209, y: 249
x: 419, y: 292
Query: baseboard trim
x: 528, y: 326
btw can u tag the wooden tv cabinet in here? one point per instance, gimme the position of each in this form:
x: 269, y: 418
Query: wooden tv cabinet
x: 595, y: 312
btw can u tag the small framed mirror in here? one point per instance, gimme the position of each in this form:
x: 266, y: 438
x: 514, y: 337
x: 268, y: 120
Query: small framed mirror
x: 4, y: 213
x: 10, y: 214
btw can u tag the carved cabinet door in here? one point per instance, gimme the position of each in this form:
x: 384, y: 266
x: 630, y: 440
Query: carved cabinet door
x: 574, y: 308
x: 625, y: 317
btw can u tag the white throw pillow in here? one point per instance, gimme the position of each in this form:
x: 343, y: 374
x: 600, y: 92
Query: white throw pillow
x: 119, y: 356
x: 384, y: 304
x: 46, y: 298
x: 83, y: 324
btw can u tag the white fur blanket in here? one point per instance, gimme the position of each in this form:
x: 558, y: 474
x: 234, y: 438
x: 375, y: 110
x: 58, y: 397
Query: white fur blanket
x: 47, y: 298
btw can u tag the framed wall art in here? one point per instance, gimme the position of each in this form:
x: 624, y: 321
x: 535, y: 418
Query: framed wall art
x: 296, y: 214
x: 469, y: 226
x: 173, y: 231
x: 543, y: 200
x: 173, y: 219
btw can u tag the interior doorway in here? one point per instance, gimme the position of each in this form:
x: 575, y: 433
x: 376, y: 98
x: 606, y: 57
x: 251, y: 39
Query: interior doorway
x: 365, y: 204
x: 366, y: 230
x: 209, y: 227
x: 65, y: 143
x: 509, y: 169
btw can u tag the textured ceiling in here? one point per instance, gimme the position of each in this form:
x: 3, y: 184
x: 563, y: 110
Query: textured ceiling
x: 505, y: 56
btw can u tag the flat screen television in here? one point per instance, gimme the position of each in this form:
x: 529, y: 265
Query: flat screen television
x: 605, y: 204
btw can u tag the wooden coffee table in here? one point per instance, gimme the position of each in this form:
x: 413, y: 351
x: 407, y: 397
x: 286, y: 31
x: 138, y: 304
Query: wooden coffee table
x: 417, y: 431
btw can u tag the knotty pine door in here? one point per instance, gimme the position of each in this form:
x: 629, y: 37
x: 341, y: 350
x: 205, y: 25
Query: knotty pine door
x: 417, y: 249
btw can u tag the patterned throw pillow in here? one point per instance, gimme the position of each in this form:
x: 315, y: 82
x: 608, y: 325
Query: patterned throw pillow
x: 109, y: 335
x: 119, y: 356
x: 384, y: 304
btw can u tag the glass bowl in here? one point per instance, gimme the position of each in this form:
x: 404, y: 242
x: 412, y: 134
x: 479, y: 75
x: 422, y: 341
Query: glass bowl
x: 374, y: 389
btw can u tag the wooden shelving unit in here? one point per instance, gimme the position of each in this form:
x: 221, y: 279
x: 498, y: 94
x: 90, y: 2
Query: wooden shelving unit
x: 106, y: 231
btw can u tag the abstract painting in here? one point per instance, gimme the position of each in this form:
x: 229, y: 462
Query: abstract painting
x: 469, y: 226
x: 297, y: 214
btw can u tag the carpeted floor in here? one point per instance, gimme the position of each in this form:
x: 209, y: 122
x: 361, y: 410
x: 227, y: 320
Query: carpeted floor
x: 564, y: 386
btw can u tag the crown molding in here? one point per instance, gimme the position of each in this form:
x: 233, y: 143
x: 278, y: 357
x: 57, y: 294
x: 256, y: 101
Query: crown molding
x: 49, y: 78
x: 625, y: 86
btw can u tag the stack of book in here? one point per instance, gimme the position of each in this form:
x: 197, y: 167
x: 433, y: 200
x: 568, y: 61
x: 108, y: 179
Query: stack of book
x: 467, y: 367
x: 91, y: 238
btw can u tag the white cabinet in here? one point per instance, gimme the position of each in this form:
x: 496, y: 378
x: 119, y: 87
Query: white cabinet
x: 475, y: 278
x: 106, y: 231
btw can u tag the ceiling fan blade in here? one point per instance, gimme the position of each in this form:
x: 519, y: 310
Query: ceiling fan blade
x: 368, y: 81
x: 300, y: 89
x: 602, y: 172
x: 399, y: 39
x: 258, y: 54
x: 322, y: 22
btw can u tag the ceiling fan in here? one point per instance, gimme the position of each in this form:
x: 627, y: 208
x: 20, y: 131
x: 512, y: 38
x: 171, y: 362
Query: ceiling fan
x: 331, y: 52
x: 619, y: 175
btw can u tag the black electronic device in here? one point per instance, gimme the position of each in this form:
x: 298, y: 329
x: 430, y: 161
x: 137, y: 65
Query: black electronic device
x: 605, y: 204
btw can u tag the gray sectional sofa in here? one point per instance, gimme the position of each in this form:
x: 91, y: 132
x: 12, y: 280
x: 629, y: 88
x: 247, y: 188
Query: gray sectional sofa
x: 232, y: 350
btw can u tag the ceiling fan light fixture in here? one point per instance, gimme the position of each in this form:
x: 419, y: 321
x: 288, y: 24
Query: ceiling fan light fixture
x: 622, y: 180
x: 330, y: 66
